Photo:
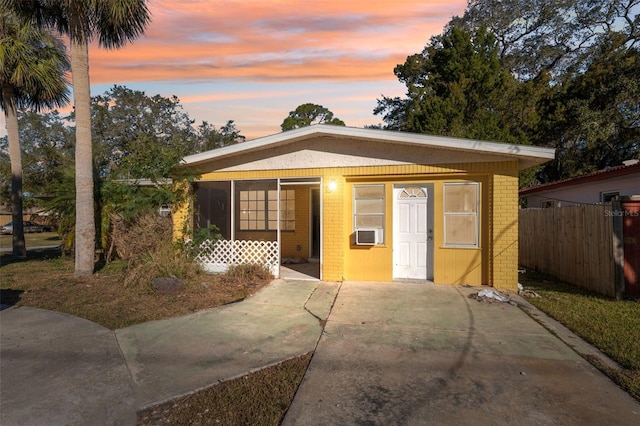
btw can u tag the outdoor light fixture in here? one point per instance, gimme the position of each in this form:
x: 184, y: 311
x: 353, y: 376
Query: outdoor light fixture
x: 332, y: 186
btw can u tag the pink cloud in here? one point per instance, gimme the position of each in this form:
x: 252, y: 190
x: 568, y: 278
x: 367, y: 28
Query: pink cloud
x: 295, y: 40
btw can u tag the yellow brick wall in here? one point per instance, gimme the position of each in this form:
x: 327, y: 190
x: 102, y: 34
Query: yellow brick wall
x: 333, y: 230
x: 504, y: 256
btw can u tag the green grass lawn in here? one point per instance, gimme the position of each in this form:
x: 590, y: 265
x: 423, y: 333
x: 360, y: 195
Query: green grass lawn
x: 611, y: 326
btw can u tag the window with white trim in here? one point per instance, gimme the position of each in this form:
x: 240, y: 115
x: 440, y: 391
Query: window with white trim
x: 259, y: 210
x: 461, y: 206
x: 369, y: 208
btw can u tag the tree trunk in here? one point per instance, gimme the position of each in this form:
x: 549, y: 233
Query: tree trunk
x: 85, y: 219
x: 15, y: 155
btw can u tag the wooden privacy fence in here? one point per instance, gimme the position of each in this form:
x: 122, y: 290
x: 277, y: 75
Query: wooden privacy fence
x: 575, y: 244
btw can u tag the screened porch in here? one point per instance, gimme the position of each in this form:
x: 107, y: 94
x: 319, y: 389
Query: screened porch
x: 272, y: 222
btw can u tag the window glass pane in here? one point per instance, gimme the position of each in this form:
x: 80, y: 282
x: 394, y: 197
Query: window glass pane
x: 460, y: 230
x: 369, y: 221
x: 461, y: 214
x: 369, y: 191
x: 369, y: 206
x: 412, y: 192
x: 460, y: 198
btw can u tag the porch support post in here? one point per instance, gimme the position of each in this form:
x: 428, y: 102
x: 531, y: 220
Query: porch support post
x: 278, y: 233
x: 233, y: 210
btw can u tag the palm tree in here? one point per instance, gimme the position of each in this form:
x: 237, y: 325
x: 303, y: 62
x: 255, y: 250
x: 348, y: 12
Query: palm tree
x: 33, y: 64
x: 113, y: 23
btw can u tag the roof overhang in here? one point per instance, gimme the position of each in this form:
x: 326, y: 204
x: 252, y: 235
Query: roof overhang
x: 527, y: 156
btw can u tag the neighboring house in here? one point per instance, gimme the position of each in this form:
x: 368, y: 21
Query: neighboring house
x: 371, y: 205
x: 600, y: 186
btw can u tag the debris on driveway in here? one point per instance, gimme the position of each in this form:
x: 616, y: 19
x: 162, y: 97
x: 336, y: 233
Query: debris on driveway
x: 526, y: 293
x: 491, y: 295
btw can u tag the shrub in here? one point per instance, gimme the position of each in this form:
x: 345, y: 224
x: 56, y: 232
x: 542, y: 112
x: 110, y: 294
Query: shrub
x: 145, y: 244
x: 133, y: 239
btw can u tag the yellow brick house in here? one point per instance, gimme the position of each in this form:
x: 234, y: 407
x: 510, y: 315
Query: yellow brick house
x: 368, y: 204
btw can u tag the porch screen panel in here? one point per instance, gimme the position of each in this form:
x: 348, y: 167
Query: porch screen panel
x: 212, y: 207
x: 461, y: 205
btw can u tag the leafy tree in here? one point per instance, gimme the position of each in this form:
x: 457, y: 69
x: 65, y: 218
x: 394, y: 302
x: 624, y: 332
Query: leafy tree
x: 210, y: 138
x: 135, y: 137
x: 457, y: 87
x: 557, y: 37
x: 593, y: 121
x: 308, y: 114
x: 558, y: 73
x: 139, y: 136
x: 113, y: 24
x: 48, y: 149
x: 33, y: 64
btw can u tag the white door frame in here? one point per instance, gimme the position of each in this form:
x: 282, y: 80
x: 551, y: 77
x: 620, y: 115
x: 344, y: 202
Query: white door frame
x: 421, y: 267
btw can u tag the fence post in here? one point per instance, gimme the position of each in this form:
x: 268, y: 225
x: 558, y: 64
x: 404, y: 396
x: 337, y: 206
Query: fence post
x: 618, y: 249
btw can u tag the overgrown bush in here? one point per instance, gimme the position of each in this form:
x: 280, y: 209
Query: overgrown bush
x: 132, y: 239
x: 164, y: 260
x: 145, y: 244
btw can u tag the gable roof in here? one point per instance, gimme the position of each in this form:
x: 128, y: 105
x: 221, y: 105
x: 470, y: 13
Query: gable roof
x: 527, y: 156
x: 596, y: 176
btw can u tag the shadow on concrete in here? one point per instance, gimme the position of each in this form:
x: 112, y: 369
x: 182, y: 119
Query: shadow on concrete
x: 9, y: 297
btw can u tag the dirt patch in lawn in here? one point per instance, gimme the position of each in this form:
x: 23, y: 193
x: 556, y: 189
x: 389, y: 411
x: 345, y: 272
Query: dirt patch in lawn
x: 46, y: 281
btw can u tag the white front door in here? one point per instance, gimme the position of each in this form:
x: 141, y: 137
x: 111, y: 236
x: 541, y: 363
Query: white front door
x: 410, y: 232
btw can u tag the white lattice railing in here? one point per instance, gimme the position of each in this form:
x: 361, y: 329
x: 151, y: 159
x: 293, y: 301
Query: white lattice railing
x: 217, y: 256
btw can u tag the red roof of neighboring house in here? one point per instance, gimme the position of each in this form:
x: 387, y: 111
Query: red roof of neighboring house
x: 609, y: 173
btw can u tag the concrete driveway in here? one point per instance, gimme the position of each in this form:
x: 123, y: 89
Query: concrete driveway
x: 415, y: 354
x: 389, y: 354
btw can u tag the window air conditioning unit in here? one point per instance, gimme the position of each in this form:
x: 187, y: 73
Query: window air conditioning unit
x: 368, y: 236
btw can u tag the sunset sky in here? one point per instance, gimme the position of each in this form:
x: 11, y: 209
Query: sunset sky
x: 253, y: 61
